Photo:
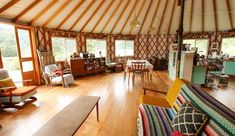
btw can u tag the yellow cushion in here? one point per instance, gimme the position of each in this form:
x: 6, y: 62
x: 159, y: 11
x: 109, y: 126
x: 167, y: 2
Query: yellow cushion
x: 173, y: 92
x: 7, y: 82
x: 156, y: 101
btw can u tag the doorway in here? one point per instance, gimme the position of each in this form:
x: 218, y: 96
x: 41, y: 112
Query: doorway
x: 16, y: 52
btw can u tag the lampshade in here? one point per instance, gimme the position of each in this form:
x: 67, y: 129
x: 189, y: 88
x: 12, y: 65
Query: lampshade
x: 135, y: 22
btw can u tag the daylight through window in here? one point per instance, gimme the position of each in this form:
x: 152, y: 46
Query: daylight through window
x: 228, y: 46
x: 63, y: 48
x: 124, y: 48
x: 96, y: 46
x: 201, y: 44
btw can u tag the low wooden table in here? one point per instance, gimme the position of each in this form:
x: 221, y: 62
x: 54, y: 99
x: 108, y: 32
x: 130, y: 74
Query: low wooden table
x: 70, y: 119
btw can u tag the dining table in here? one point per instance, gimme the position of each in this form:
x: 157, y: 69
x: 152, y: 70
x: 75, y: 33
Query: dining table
x: 148, y: 65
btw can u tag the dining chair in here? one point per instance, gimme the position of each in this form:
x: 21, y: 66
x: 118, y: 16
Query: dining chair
x: 137, y: 67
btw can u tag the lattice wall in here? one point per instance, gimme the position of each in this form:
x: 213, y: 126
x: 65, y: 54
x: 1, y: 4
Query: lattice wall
x: 146, y: 46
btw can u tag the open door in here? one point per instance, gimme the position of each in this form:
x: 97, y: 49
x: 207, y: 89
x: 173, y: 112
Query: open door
x: 25, y: 53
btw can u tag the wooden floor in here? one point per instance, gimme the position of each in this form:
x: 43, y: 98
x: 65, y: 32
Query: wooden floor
x: 118, y: 105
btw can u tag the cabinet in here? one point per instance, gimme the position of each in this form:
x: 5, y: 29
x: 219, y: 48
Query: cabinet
x: 229, y: 67
x: 82, y: 67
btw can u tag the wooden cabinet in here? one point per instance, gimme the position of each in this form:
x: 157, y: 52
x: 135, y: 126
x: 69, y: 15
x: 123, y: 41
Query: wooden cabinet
x: 82, y: 67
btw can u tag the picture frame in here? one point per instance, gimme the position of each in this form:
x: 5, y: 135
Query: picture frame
x: 214, y: 45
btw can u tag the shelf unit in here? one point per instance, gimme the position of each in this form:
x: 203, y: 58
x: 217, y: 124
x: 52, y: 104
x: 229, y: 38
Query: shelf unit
x: 86, y: 66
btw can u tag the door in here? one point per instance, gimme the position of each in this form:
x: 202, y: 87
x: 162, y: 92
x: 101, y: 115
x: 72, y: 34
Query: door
x: 26, y: 59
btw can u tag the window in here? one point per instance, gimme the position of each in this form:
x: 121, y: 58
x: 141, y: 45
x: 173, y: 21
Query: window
x: 201, y: 44
x: 228, y: 46
x: 96, y: 46
x: 63, y: 48
x: 124, y: 47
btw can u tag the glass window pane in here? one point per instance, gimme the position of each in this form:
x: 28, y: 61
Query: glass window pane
x: 96, y: 46
x: 24, y: 41
x: 27, y: 66
x: 124, y: 47
x: 228, y: 46
x: 63, y: 48
x: 202, y: 46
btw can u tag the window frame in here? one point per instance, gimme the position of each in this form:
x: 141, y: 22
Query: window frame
x: 73, y: 38
x: 207, y: 50
x: 96, y: 45
x: 125, y: 47
x: 222, y: 44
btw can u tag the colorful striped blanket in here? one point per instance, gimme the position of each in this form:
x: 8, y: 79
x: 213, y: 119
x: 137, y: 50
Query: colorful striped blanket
x: 156, y: 121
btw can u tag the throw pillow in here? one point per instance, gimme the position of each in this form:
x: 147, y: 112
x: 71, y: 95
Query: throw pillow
x: 189, y: 120
x: 176, y: 133
x: 7, y: 82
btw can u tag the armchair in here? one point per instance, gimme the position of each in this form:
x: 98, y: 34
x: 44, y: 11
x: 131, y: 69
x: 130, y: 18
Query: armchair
x: 57, y: 76
x: 10, y: 94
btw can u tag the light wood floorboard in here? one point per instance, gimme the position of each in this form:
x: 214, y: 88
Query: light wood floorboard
x: 118, y: 105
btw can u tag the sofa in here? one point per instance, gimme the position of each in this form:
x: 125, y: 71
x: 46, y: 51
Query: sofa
x: 157, y: 120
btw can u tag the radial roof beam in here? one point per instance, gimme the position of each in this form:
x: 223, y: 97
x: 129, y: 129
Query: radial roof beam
x: 110, y: 17
x: 79, y: 4
x: 191, y: 15
x: 124, y: 9
x: 8, y: 5
x: 52, y: 3
x: 82, y: 14
x: 172, y: 12
x: 138, y: 14
x: 101, y: 17
x: 162, y: 17
x: 155, y: 14
x: 57, y: 12
x: 94, y: 12
x: 203, y: 16
x: 26, y: 10
x: 124, y: 25
x: 145, y: 16
x: 229, y: 14
x: 215, y: 14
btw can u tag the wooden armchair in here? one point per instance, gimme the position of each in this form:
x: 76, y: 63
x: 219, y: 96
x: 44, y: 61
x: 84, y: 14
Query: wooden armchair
x: 10, y: 94
x: 169, y: 97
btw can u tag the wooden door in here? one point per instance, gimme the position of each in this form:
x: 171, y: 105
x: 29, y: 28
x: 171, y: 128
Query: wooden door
x: 26, y: 59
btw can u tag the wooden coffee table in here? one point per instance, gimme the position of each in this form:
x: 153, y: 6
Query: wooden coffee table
x: 70, y: 119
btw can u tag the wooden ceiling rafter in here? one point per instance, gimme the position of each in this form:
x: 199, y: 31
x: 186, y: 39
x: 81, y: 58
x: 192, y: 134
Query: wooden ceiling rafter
x: 138, y: 14
x: 103, y: 14
x: 145, y: 16
x: 8, y: 5
x: 79, y: 4
x: 172, y: 12
x: 51, y: 4
x: 120, y: 15
x: 229, y: 14
x: 94, y: 12
x: 57, y: 12
x: 33, y: 4
x: 155, y: 14
x: 215, y: 15
x: 203, y: 16
x: 82, y: 14
x: 191, y: 15
x: 124, y: 25
x: 162, y: 17
x: 110, y: 17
